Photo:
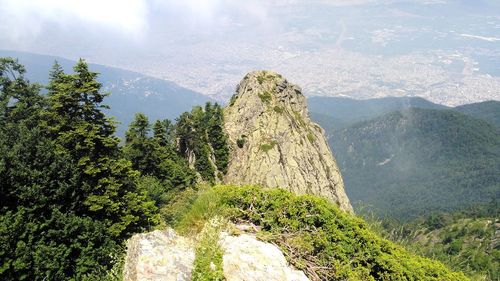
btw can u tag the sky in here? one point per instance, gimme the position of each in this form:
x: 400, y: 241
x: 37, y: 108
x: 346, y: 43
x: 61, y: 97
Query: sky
x: 23, y: 21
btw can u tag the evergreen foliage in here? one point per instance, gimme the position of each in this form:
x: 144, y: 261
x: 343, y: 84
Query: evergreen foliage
x: 156, y: 156
x: 68, y: 199
x: 201, y: 136
x: 71, y: 195
x: 487, y: 110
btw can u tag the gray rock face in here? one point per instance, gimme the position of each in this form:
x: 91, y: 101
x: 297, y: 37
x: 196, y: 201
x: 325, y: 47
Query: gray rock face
x: 275, y: 144
x: 246, y: 258
x: 159, y: 256
x: 165, y: 256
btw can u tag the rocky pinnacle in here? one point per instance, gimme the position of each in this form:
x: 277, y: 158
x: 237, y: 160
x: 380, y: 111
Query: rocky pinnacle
x: 275, y: 144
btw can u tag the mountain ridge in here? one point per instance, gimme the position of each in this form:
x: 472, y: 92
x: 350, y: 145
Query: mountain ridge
x: 408, y: 163
x: 131, y: 91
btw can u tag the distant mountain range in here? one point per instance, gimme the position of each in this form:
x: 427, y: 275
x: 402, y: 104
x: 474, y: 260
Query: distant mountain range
x: 488, y: 111
x: 348, y: 110
x: 410, y: 157
x: 130, y: 91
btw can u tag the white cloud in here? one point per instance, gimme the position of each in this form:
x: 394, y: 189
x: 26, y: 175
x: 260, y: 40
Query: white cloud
x: 213, y: 12
x: 27, y: 17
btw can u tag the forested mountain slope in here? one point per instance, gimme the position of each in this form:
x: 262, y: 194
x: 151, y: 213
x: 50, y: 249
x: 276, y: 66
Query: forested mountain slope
x: 411, y: 162
x: 488, y: 111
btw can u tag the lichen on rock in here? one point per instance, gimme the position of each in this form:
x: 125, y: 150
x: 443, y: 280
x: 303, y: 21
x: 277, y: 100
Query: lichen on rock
x: 282, y: 147
x: 159, y: 255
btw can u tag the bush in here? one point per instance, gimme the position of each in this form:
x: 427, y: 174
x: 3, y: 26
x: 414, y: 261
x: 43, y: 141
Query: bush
x: 265, y: 97
x: 268, y: 146
x: 278, y: 109
x: 208, y: 261
x: 316, y: 236
x: 240, y: 143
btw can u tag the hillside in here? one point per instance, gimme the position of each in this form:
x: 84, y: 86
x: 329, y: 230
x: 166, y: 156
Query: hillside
x: 408, y: 163
x: 488, y: 111
x: 131, y: 92
x: 468, y: 240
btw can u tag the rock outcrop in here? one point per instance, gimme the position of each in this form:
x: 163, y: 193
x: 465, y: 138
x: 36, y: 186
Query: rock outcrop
x: 159, y: 256
x: 246, y: 258
x: 275, y: 144
x: 166, y: 256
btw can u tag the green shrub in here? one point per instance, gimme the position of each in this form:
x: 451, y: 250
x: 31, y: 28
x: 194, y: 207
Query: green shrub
x: 240, y: 143
x: 208, y: 261
x: 268, y: 146
x: 233, y: 99
x: 179, y: 203
x: 278, y: 109
x: 311, y: 137
x: 265, y: 97
x: 316, y: 236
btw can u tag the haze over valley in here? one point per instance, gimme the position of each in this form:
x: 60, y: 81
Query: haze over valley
x: 447, y: 51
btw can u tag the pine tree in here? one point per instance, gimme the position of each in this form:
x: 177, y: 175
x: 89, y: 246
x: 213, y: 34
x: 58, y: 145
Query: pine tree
x: 139, y: 148
x: 106, y: 183
x: 201, y: 132
x: 164, y: 132
x: 39, y: 238
x: 218, y: 138
x: 156, y: 156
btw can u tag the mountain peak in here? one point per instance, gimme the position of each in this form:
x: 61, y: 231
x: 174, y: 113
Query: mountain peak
x: 275, y: 144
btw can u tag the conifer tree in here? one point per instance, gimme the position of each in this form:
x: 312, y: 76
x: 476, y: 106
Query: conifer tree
x: 156, y: 156
x: 106, y: 183
x: 164, y: 132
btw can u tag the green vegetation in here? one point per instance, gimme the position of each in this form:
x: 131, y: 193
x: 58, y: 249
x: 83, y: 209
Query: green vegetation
x: 69, y: 199
x: 278, y: 109
x: 311, y: 137
x: 156, y: 157
x: 407, y: 163
x: 240, y: 142
x: 201, y: 134
x: 265, y: 76
x: 315, y: 235
x: 164, y: 100
x: 268, y: 146
x: 261, y: 79
x: 488, y: 111
x: 347, y: 111
x: 464, y: 241
x: 299, y: 119
x: 71, y: 194
x: 208, y: 262
x: 233, y: 99
x: 265, y: 97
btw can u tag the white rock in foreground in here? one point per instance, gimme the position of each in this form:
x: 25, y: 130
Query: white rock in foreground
x: 159, y: 255
x: 248, y: 259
